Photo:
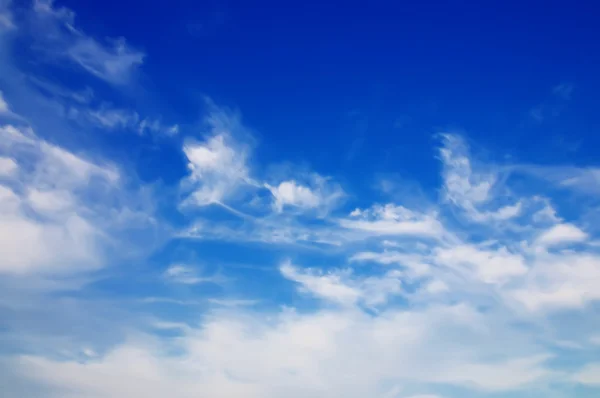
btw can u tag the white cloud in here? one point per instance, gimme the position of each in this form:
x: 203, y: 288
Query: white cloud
x: 470, y: 188
x: 319, y: 194
x: 28, y: 243
x: 327, y: 353
x: 560, y: 281
x: 50, y: 202
x: 489, y: 266
x: 48, y: 88
x: 290, y: 193
x: 115, y: 118
x: 114, y: 63
x: 584, y: 180
x: 187, y: 275
x: 330, y: 286
x: 3, y: 105
x: 595, y: 340
x: 7, y: 166
x: 393, y: 220
x: 415, y: 264
x: 217, y: 168
x: 589, y: 375
x: 55, y: 29
x: 110, y: 118
x: 561, y: 233
x: 341, y: 287
x: 546, y: 214
x: 463, y: 187
x: 386, y: 327
x: 6, y: 16
x: 436, y: 286
x: 505, y: 375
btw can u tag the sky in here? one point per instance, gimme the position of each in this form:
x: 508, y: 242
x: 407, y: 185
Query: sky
x: 319, y: 199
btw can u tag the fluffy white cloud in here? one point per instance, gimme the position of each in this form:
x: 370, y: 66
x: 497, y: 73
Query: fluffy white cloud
x: 290, y: 193
x: 319, y: 194
x: 217, y: 168
x: 328, y: 353
x: 29, y: 243
x: 560, y: 281
x: 561, y: 233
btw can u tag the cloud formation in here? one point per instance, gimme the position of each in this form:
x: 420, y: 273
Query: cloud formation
x: 488, y: 288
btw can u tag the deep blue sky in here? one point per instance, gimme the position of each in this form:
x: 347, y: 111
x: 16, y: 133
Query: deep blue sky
x: 378, y: 76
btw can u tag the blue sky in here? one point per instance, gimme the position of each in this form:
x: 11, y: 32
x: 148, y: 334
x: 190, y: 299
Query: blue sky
x: 224, y: 199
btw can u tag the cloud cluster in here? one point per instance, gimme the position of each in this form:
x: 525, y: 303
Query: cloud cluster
x: 41, y: 205
x: 489, y: 290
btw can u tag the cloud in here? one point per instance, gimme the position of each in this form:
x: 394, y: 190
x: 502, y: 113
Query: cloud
x: 329, y: 286
x: 54, y: 28
x: 341, y: 287
x: 480, y: 292
x: 560, y: 281
x: 320, y: 195
x: 111, y: 118
x: 7, y: 166
x: 217, y: 168
x: 589, y: 375
x: 84, y: 96
x: 29, y: 244
x: 563, y: 90
x: 6, y: 16
x: 289, y: 193
x: 561, y: 233
x: 415, y: 264
x: 489, y: 266
x: 391, y: 219
x: 55, y: 198
x: 115, y: 63
x: 554, y: 104
x: 179, y: 273
x: 469, y: 188
x: 583, y: 180
x: 341, y: 353
x: 3, y: 104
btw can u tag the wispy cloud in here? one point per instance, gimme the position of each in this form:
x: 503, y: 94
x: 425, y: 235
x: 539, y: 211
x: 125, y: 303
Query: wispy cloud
x: 114, y: 62
x: 188, y: 275
x: 554, y: 104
